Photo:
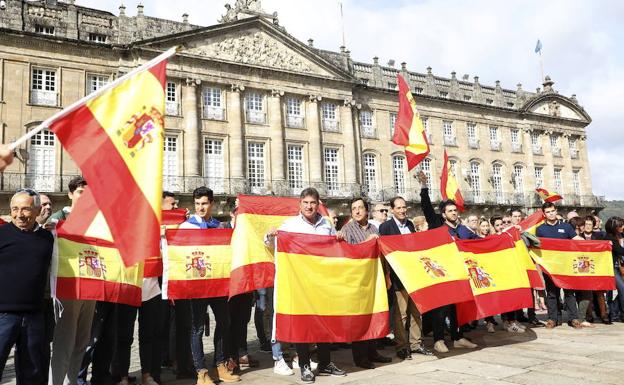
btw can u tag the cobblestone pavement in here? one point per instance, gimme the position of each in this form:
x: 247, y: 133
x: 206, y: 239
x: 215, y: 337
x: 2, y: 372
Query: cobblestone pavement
x: 539, y: 356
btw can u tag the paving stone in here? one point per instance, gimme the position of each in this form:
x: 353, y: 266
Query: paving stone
x: 593, y: 373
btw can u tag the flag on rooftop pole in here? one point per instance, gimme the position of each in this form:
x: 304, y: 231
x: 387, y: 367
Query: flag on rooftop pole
x: 409, y: 130
x: 548, y: 196
x: 538, y: 47
x: 449, y: 186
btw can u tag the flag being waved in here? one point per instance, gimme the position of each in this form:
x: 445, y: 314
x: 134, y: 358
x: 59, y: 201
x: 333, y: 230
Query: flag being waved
x: 92, y: 269
x: 530, y: 223
x: 408, y: 129
x: 522, y: 253
x: 197, y: 263
x: 429, y: 266
x: 547, y: 196
x: 576, y: 265
x: 328, y: 291
x: 449, y: 186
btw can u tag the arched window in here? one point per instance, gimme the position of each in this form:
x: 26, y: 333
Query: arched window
x: 42, y: 161
x: 398, y: 171
x: 370, y: 172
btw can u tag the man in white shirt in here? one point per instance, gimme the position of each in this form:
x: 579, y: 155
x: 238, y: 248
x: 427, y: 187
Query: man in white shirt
x: 380, y: 215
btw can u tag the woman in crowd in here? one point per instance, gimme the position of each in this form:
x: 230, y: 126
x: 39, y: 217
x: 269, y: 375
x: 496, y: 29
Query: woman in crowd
x: 614, y: 228
x: 483, y: 229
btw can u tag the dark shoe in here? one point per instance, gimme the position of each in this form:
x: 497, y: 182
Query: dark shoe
x: 465, y: 328
x: 535, y: 322
x: 307, y: 377
x: 379, y: 358
x: 551, y: 324
x: 404, y: 354
x: 265, y: 347
x: 365, y: 364
x: 607, y: 321
x: 422, y: 350
x: 331, y: 370
x: 247, y: 362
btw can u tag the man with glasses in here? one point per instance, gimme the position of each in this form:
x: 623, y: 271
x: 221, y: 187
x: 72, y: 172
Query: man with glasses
x: 380, y: 215
x: 555, y: 228
x: 25, y: 254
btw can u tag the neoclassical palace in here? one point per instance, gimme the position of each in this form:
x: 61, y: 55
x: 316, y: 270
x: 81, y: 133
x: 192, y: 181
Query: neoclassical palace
x: 251, y: 109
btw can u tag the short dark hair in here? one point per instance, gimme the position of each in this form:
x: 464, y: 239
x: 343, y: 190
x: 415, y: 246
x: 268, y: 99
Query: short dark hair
x: 516, y: 211
x: 393, y: 200
x: 75, y: 182
x: 590, y: 218
x: 445, y: 203
x: 203, y: 191
x: 310, y: 192
x: 495, y: 218
x: 576, y: 222
x: 612, y: 225
x: 547, y: 205
x: 168, y: 194
x: 366, y: 205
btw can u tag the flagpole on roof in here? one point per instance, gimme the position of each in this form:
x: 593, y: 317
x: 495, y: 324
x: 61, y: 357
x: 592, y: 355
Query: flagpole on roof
x: 74, y: 106
x: 538, y: 50
x: 344, y: 43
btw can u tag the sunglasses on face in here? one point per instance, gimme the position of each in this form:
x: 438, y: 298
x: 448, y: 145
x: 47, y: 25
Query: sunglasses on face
x: 383, y: 210
x: 506, y: 222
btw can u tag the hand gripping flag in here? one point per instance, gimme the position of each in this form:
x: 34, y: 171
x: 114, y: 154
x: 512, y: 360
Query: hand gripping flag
x: 197, y: 263
x: 171, y: 219
x: 522, y: 253
x: 499, y: 281
x: 408, y: 129
x: 576, y: 265
x: 92, y: 269
x: 429, y: 266
x: 252, y: 261
x: 328, y: 291
x: 116, y: 138
x: 547, y: 196
x: 449, y: 186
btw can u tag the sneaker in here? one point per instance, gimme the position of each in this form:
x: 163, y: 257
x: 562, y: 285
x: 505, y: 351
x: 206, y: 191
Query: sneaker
x: 307, y: 376
x: 512, y: 327
x: 331, y: 370
x: 313, y: 365
x: 247, y: 362
x: 490, y: 327
x: 440, y: 347
x: 518, y: 324
x: 282, y: 368
x: 464, y: 343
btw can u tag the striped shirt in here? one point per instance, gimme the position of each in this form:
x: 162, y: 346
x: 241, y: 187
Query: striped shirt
x: 354, y: 233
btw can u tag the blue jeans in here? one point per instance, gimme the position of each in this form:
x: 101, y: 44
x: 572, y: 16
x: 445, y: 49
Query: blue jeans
x: 617, y: 309
x: 265, y: 304
x: 26, y: 332
x: 199, y: 307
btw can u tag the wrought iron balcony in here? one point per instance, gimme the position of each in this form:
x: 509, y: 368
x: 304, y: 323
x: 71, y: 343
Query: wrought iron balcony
x: 331, y: 125
x: 556, y: 151
x: 172, y: 108
x: 294, y: 121
x: 537, y: 150
x: 516, y: 147
x: 44, y: 98
x: 473, y: 143
x: 256, y: 117
x: 450, y: 141
x: 574, y: 154
x: 214, y: 113
x: 495, y: 145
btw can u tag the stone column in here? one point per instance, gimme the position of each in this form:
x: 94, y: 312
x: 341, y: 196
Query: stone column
x: 235, y: 128
x: 191, y: 129
x: 529, y: 170
x: 566, y: 173
x: 314, y: 140
x: 276, y: 130
x: 351, y: 153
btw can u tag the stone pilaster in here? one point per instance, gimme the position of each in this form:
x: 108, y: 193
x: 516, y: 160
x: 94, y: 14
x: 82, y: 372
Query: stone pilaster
x: 190, y: 107
x: 315, y: 149
x: 276, y: 129
x: 235, y: 128
x: 351, y: 152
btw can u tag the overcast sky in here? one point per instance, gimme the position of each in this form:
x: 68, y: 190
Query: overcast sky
x: 583, y: 48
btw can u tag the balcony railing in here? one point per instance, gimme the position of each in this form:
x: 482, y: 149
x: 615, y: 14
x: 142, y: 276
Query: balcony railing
x: 44, y: 98
x: 516, y: 147
x: 256, y: 117
x: 172, y: 108
x: 368, y: 132
x: 556, y: 151
x: 40, y: 182
x: 495, y: 145
x: 473, y: 143
x: 294, y: 121
x: 537, y: 150
x: 215, y: 113
x: 450, y: 140
x: 331, y: 125
x: 574, y: 154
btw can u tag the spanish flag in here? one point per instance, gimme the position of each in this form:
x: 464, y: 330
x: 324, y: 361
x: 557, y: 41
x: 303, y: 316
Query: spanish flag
x: 408, y: 129
x: 328, y: 291
x: 522, y: 253
x: 499, y: 281
x: 197, y: 263
x: 92, y: 269
x: 577, y: 265
x: 429, y: 266
x: 252, y: 261
x: 532, y: 222
x: 548, y: 196
x: 449, y: 186
x: 116, y: 138
x: 171, y: 219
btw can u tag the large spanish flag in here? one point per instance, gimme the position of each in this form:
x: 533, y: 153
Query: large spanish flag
x: 197, y: 263
x: 499, y: 282
x: 171, y: 219
x: 328, y: 291
x: 252, y: 261
x: 408, y: 129
x: 449, y: 186
x: 577, y: 265
x: 522, y: 253
x: 116, y: 139
x: 429, y: 266
x: 92, y: 269
x: 548, y: 196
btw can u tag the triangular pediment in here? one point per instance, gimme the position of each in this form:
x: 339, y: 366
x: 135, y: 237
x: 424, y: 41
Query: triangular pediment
x: 252, y: 42
x: 556, y: 106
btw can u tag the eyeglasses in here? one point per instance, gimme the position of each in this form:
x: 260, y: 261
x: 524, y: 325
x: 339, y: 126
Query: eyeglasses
x: 506, y: 222
x: 29, y: 191
x: 382, y: 210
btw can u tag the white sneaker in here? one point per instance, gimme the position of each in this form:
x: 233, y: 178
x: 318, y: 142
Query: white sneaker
x: 521, y: 326
x: 513, y: 327
x: 490, y: 327
x: 313, y: 365
x: 464, y: 343
x: 282, y: 368
x: 440, y: 347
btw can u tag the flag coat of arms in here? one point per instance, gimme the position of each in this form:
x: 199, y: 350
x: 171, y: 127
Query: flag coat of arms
x: 429, y: 266
x: 197, y: 263
x: 328, y: 291
x: 576, y: 265
x: 499, y: 282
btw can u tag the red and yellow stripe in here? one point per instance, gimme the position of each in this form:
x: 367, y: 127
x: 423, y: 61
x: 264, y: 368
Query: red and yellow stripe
x: 171, y: 219
x: 328, y: 291
x: 499, y: 281
x: 449, y: 186
x: 522, y: 252
x: 92, y: 269
x: 197, y: 263
x: 429, y: 266
x: 577, y: 265
x: 531, y: 223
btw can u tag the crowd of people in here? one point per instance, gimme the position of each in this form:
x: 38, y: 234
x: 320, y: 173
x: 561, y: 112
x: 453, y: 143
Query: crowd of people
x: 56, y: 341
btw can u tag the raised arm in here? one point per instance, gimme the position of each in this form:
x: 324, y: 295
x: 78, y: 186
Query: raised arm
x: 425, y: 203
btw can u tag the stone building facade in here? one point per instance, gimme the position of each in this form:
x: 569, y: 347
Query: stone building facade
x: 251, y: 109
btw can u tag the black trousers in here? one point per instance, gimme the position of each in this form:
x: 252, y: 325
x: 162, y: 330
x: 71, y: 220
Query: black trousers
x: 151, y: 325
x: 323, y: 353
x: 181, y: 311
x: 48, y: 335
x: 101, y: 346
x: 126, y: 317
x: 240, y: 315
x: 363, y: 351
x: 438, y: 317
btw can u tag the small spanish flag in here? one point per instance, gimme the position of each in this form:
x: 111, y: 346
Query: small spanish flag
x: 408, y: 129
x: 522, y: 253
x: 328, y: 291
x: 576, y: 265
x: 499, y: 282
x: 92, y: 269
x: 532, y: 222
x: 449, y: 186
x: 548, y: 196
x: 197, y: 263
x: 429, y: 266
